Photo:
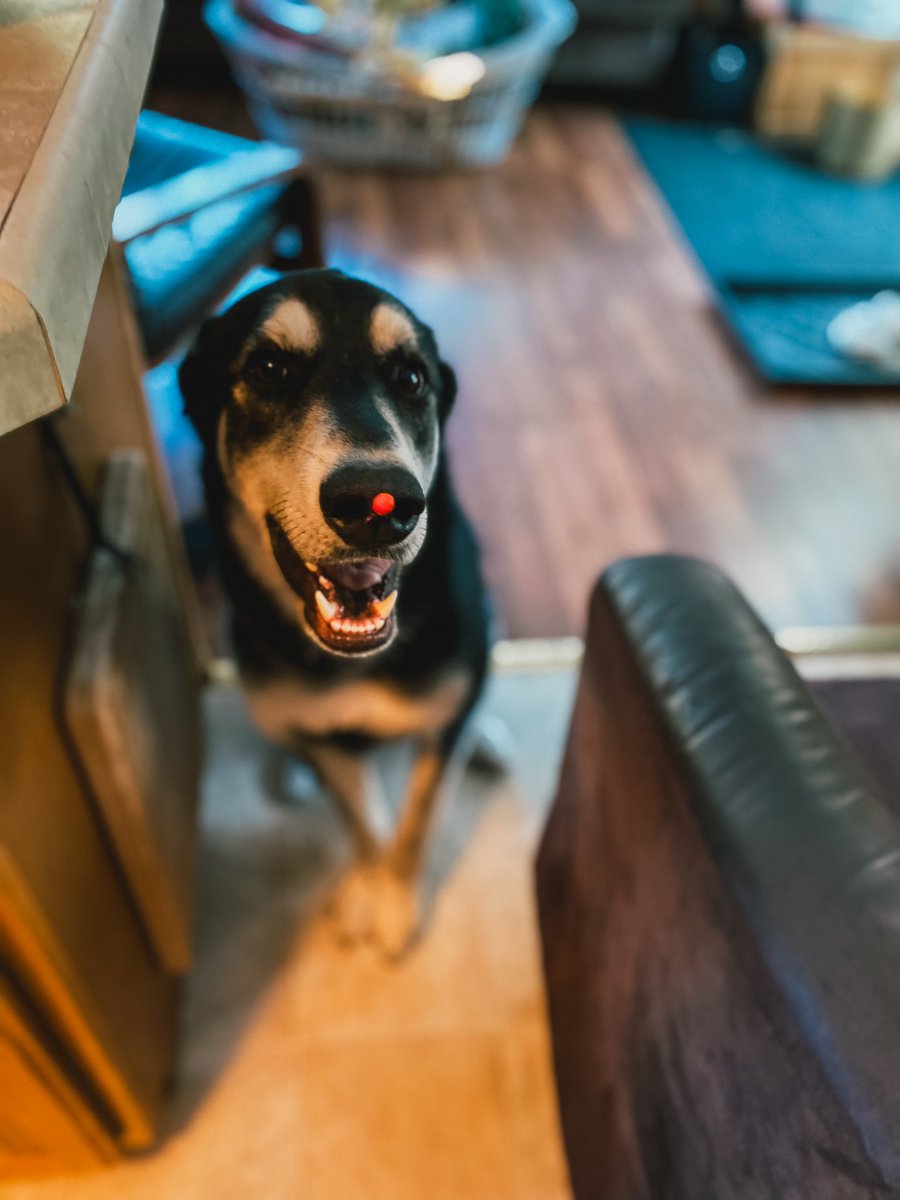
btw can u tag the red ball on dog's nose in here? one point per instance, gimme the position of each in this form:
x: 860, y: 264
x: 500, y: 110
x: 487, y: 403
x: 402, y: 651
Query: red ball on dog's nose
x: 383, y: 504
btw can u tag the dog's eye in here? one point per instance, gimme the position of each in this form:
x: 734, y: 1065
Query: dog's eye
x: 267, y: 369
x: 410, y: 379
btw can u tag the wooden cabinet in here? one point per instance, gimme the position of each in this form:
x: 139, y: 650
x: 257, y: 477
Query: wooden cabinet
x: 77, y: 924
x: 74, y: 930
x: 47, y: 1122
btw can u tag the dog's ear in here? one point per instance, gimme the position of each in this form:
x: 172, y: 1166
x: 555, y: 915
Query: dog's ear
x: 448, y: 390
x: 204, y: 377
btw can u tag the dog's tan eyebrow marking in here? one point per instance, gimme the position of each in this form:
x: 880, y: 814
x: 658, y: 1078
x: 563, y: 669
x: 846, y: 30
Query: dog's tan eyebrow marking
x: 390, y: 328
x: 292, y: 326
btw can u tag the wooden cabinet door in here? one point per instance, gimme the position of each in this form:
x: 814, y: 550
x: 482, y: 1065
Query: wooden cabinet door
x: 130, y: 701
x: 47, y: 1123
x: 75, y: 929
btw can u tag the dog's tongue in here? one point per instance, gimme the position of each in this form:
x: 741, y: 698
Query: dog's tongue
x: 358, y: 575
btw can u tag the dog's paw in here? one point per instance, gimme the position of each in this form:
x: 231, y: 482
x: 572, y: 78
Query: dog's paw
x: 374, y: 904
x: 351, y: 908
x: 397, y: 914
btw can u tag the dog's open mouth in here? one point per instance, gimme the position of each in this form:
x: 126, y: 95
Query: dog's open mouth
x: 349, y: 605
x: 354, y: 602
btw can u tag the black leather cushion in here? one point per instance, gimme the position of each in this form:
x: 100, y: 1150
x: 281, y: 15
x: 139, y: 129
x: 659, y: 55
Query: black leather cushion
x: 803, y: 836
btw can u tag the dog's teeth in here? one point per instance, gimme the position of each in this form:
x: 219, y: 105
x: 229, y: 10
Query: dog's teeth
x: 325, y: 584
x: 356, y: 625
x: 361, y: 626
x: 385, y: 607
x: 311, y: 567
x: 326, y: 607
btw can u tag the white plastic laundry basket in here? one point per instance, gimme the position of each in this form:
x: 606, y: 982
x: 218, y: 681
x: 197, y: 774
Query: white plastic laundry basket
x: 336, y: 111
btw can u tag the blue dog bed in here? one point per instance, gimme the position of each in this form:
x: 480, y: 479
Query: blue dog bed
x: 787, y: 246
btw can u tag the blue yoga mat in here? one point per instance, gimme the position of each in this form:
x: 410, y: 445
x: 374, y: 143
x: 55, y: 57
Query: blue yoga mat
x: 787, y: 246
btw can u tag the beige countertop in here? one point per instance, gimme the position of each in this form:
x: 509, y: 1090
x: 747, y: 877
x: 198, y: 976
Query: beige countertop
x: 72, y: 76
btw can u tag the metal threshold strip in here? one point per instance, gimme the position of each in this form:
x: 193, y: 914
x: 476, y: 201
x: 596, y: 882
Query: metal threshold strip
x: 818, y: 651
x: 843, y: 651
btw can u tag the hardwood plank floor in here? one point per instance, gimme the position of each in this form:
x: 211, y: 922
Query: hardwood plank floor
x: 603, y: 410
x: 312, y: 1071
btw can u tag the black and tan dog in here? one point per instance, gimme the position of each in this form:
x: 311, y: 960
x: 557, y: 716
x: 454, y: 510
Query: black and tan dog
x: 359, y: 608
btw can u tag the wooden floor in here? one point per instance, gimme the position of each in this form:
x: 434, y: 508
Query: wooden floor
x: 603, y: 410
x: 312, y: 1072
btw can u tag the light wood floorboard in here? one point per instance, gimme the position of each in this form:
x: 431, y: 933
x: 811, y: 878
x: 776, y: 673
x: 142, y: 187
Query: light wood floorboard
x: 312, y: 1072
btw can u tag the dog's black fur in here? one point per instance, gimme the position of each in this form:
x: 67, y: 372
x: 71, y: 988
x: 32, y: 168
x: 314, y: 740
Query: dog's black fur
x: 442, y: 612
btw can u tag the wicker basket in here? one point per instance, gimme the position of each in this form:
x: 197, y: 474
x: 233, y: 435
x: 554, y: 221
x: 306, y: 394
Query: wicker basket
x: 337, y: 112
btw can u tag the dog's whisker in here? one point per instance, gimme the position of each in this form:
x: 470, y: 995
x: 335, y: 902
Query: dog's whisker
x: 292, y: 526
x: 286, y: 515
x: 312, y: 454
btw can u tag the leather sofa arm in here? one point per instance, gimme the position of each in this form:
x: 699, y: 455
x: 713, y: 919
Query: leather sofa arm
x: 719, y: 886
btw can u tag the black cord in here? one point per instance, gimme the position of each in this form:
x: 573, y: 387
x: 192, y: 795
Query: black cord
x: 85, y: 505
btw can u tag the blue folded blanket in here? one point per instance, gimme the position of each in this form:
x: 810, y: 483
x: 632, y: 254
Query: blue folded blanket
x: 787, y: 246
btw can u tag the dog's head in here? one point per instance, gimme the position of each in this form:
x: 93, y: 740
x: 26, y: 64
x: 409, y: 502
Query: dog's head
x: 322, y: 399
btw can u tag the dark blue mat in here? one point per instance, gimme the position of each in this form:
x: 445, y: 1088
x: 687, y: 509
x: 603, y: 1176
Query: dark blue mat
x: 786, y: 246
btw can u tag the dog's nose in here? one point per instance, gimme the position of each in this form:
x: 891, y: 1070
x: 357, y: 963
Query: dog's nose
x: 371, y: 506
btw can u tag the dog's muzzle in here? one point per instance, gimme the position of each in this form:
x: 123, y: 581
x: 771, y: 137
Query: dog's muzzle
x: 349, y: 605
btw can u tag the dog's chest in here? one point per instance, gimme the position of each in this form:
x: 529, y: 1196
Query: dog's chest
x: 285, y: 709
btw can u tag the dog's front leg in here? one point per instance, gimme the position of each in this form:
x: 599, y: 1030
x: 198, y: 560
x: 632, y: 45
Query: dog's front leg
x: 404, y: 854
x: 353, y: 783
x: 379, y: 899
x: 398, y: 913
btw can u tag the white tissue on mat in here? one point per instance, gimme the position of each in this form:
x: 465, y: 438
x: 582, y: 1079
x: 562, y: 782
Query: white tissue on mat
x: 869, y: 331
